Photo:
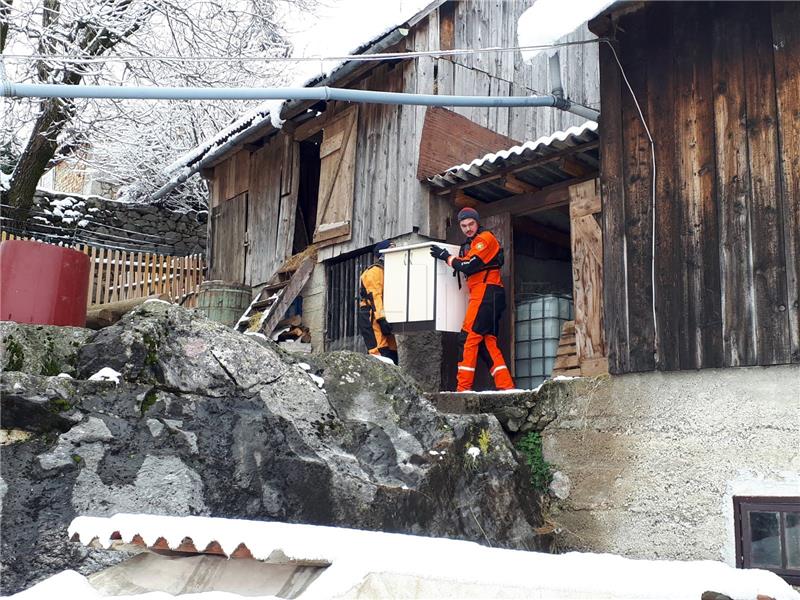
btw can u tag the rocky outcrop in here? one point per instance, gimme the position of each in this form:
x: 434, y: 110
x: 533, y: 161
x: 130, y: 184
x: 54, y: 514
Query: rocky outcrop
x: 206, y: 421
x: 518, y: 412
x: 40, y: 349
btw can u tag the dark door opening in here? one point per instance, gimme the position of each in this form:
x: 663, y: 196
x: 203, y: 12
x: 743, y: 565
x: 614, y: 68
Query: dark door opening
x: 542, y: 293
x: 308, y: 191
x: 344, y: 281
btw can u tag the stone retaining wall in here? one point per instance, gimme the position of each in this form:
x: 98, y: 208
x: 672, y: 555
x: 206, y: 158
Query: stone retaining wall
x: 101, y: 222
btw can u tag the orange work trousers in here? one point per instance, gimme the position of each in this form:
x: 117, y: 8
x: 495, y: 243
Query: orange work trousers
x: 478, y: 337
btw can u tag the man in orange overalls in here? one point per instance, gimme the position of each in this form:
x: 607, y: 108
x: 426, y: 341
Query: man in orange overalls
x: 480, y: 259
x: 375, y: 330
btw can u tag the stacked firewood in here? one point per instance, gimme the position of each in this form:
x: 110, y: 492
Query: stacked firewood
x: 292, y: 329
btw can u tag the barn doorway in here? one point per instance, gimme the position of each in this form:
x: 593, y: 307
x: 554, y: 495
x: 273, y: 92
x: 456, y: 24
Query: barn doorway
x: 542, y: 292
x: 308, y: 192
x: 542, y: 200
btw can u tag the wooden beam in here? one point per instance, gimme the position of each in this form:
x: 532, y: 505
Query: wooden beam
x: 585, y: 199
x: 556, y: 156
x: 311, y: 127
x: 527, y: 225
x: 517, y: 186
x: 547, y: 198
x: 587, y: 282
x: 460, y: 200
x: 573, y: 167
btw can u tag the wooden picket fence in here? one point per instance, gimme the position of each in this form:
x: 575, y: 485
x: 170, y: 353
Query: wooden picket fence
x: 122, y: 275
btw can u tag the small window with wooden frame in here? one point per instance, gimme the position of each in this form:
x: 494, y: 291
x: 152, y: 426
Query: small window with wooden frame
x: 768, y: 534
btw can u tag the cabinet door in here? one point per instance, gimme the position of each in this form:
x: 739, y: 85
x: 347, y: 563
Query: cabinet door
x: 395, y: 286
x: 421, y: 285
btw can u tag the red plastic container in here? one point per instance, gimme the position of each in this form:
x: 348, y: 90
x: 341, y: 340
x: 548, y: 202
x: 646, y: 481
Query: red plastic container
x: 42, y: 283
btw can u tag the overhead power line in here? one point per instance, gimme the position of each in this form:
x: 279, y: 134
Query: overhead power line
x: 289, y: 59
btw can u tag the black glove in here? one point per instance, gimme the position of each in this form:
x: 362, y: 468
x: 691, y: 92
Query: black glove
x: 386, y: 329
x: 439, y: 252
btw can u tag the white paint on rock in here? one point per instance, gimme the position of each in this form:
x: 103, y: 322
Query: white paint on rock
x: 163, y: 485
x: 70, y: 446
x: 155, y: 426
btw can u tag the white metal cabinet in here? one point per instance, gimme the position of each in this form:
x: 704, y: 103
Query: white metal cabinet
x: 420, y: 292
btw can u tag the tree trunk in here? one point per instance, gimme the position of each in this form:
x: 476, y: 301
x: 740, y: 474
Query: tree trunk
x: 39, y: 151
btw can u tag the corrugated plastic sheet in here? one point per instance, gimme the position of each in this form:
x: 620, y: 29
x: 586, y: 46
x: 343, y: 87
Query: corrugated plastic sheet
x: 540, y: 148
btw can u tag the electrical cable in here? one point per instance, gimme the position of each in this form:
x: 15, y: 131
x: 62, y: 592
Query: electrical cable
x: 85, y: 236
x: 652, y: 207
x: 344, y: 57
x: 88, y: 220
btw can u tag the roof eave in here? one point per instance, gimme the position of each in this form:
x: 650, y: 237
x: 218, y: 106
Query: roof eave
x: 295, y: 107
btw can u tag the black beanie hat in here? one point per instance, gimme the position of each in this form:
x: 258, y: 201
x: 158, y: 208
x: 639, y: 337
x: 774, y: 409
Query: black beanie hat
x: 385, y: 244
x: 468, y: 213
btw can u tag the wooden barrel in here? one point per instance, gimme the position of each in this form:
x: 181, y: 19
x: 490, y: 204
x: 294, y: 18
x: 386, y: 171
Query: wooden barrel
x: 223, y: 301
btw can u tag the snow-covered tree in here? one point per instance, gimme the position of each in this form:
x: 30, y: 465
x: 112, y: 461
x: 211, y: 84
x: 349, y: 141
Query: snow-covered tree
x: 131, y: 42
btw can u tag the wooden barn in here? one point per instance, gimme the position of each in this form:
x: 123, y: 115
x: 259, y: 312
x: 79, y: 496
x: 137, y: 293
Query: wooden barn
x: 336, y: 178
x: 670, y: 230
x: 690, y: 450
x: 702, y: 261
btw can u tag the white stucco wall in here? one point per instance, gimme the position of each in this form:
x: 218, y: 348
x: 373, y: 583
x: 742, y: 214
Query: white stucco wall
x: 653, y: 460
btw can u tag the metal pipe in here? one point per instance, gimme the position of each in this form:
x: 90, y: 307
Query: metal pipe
x: 581, y: 110
x: 554, y: 68
x: 26, y: 90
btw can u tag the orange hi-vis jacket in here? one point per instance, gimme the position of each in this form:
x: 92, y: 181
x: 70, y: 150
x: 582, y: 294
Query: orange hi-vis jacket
x: 372, y: 290
x: 480, y: 260
x: 371, y: 310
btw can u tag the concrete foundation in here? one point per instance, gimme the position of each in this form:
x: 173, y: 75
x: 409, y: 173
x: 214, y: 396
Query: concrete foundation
x: 314, y: 308
x: 648, y: 464
x: 421, y: 357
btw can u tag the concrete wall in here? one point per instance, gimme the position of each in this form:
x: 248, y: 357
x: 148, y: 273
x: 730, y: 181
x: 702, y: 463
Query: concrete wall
x: 648, y: 463
x: 314, y: 307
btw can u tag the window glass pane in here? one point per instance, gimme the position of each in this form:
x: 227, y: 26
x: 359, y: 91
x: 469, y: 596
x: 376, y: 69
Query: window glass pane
x: 792, y: 525
x: 765, y: 543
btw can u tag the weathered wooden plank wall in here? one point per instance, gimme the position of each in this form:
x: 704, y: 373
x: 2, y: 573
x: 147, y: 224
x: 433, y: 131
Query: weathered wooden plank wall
x: 388, y: 200
x: 719, y: 85
x: 263, y: 212
x: 483, y: 24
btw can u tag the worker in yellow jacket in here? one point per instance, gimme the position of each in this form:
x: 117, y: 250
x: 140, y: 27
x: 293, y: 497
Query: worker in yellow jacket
x: 372, y: 324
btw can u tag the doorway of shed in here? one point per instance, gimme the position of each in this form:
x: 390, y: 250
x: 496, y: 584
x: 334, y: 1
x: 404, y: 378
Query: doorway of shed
x: 537, y: 276
x: 307, y: 194
x: 541, y: 291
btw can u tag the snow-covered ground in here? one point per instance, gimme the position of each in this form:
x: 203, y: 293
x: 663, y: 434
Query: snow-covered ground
x: 366, y: 564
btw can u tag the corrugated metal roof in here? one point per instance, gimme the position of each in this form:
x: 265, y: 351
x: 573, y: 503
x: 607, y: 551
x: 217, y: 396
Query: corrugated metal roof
x: 546, y: 161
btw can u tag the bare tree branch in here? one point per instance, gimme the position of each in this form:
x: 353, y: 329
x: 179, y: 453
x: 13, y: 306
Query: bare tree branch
x: 129, y: 142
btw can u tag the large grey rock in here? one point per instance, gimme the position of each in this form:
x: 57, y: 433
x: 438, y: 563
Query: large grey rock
x: 206, y: 421
x: 40, y: 349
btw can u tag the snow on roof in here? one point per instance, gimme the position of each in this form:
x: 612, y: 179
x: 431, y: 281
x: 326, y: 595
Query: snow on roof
x: 572, y: 137
x: 345, y: 40
x: 546, y: 22
x: 453, y: 565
